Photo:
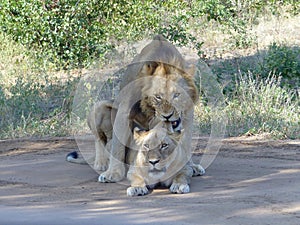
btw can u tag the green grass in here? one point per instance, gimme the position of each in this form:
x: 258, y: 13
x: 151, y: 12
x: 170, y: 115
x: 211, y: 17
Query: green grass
x: 263, y: 106
x: 32, y: 102
x: 257, y: 106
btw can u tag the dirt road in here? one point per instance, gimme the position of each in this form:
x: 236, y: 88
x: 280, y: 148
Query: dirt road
x: 250, y: 182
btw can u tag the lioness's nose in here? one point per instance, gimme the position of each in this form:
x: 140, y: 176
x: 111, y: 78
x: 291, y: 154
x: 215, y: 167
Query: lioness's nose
x: 153, y: 161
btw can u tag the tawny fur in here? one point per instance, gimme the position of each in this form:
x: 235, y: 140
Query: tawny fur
x: 158, y: 163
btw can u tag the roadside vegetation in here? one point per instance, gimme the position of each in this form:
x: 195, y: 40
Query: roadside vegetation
x: 253, y: 47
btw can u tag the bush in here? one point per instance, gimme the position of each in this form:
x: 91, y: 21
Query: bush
x: 283, y: 61
x: 72, y: 33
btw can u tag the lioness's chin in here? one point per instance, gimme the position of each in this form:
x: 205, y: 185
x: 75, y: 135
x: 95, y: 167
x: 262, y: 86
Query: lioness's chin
x: 154, y: 173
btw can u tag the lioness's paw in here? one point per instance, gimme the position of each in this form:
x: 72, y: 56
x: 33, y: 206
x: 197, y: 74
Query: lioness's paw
x: 137, y: 191
x: 179, y: 188
x: 198, y: 170
x: 109, y: 177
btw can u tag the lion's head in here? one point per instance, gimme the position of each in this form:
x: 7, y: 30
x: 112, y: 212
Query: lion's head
x: 162, y: 81
x: 157, y: 150
x: 169, y: 93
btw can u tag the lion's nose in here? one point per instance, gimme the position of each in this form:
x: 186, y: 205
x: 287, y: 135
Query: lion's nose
x: 153, y: 161
x: 169, y: 116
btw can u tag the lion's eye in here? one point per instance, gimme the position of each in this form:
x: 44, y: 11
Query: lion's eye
x: 146, y: 146
x: 164, y: 145
x: 176, y: 95
x: 158, y: 97
x: 175, y: 124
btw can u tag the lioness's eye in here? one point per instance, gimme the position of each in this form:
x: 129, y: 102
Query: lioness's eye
x: 176, y: 95
x: 164, y: 145
x: 146, y: 146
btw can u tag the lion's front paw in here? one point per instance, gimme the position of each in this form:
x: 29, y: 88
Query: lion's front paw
x: 109, y: 177
x: 178, y: 188
x: 198, y: 170
x: 100, y: 165
x: 137, y: 191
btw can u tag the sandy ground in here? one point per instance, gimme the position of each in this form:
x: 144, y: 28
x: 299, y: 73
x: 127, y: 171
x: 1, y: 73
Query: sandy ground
x: 251, y: 181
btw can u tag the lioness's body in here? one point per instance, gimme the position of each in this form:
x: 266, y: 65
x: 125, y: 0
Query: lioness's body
x: 160, y: 163
x: 158, y: 160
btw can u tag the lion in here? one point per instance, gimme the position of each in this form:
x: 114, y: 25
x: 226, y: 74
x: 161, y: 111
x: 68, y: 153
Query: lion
x: 157, y: 86
x: 100, y: 123
x: 157, y: 161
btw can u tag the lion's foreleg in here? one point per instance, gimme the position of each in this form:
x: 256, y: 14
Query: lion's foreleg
x: 198, y: 170
x: 102, y: 156
x: 116, y: 169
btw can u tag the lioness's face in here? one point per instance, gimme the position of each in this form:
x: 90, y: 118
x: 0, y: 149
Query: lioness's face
x: 157, y: 151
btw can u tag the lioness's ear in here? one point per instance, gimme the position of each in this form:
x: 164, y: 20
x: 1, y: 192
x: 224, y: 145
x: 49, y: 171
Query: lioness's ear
x: 178, y: 135
x: 138, y: 133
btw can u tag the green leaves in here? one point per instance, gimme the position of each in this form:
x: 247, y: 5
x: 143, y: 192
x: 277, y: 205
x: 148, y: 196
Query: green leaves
x: 68, y: 33
x: 283, y: 61
x: 72, y: 33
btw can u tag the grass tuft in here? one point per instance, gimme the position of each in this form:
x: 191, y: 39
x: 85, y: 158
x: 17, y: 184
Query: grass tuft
x: 258, y: 106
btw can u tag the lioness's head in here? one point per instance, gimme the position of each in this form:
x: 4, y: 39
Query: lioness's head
x: 169, y: 92
x: 157, y: 150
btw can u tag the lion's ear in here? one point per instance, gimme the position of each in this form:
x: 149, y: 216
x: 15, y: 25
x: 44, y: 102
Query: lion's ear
x: 149, y: 68
x: 191, y: 69
x: 159, y: 37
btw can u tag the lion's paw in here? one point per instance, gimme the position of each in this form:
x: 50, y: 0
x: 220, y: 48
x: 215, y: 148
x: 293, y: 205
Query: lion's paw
x: 198, y: 170
x: 110, y: 177
x: 178, y: 188
x: 100, y: 166
x: 137, y: 191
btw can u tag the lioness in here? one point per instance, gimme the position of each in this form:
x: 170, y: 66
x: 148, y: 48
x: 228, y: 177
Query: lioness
x: 157, y: 86
x: 158, y: 161
x: 100, y: 122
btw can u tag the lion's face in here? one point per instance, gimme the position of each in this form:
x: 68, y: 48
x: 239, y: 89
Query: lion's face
x: 169, y: 93
x: 157, y: 150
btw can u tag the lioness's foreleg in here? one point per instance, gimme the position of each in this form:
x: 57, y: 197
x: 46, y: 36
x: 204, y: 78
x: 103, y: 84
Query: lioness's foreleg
x: 198, y: 170
x: 180, y: 183
x: 138, y: 186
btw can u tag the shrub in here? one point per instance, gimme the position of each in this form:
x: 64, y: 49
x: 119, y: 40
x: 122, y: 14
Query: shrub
x: 283, y: 61
x: 72, y: 33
